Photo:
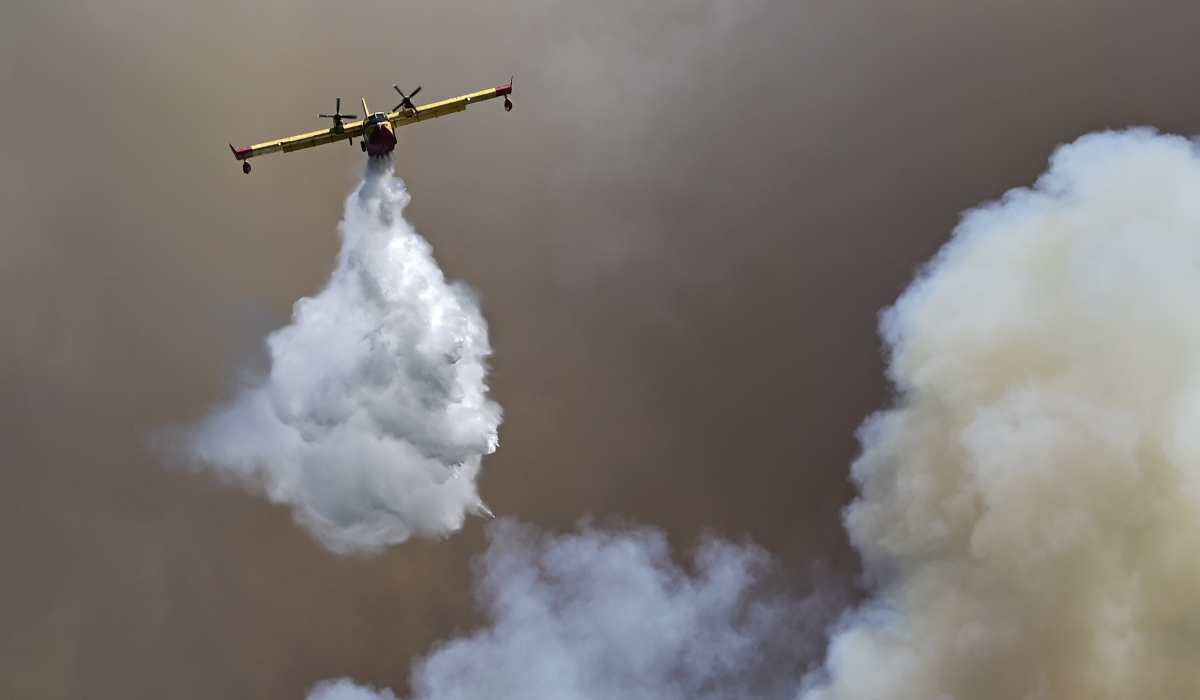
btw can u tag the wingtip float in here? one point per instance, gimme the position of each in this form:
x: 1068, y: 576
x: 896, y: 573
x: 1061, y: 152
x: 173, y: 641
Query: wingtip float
x: 376, y: 131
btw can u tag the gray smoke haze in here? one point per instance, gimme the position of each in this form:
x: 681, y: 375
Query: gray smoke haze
x: 374, y: 417
x: 1029, y: 510
x: 686, y: 193
x: 608, y: 613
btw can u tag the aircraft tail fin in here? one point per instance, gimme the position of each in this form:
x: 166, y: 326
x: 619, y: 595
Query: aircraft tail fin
x: 366, y: 110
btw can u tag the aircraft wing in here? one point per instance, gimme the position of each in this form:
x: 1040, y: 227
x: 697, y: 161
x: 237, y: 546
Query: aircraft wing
x: 353, y: 130
x: 441, y: 109
x: 350, y: 130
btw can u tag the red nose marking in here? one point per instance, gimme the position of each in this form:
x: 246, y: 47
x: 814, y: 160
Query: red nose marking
x: 381, y: 141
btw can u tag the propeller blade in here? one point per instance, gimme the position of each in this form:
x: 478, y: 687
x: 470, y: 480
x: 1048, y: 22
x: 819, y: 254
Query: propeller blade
x: 406, y: 100
x: 338, y: 109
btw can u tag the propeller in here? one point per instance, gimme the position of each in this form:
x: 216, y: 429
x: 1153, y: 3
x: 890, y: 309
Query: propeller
x: 406, y: 100
x: 337, y: 116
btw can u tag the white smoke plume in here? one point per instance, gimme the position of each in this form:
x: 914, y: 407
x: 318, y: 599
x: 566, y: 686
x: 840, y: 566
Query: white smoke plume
x: 346, y: 689
x: 605, y: 614
x: 1030, y: 508
x: 374, y: 417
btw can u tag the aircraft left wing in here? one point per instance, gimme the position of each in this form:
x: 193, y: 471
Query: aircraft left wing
x: 295, y: 143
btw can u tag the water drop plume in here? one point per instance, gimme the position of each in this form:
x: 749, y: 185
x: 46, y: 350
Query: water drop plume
x: 1029, y: 513
x: 374, y: 417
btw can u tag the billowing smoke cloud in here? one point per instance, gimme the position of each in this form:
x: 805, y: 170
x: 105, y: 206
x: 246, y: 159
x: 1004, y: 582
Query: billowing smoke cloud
x: 374, y: 417
x: 1029, y: 514
x: 607, y: 614
x: 346, y: 689
x: 1030, y: 508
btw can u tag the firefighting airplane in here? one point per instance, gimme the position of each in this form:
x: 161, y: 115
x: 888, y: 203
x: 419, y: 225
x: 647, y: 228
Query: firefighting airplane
x: 377, y: 131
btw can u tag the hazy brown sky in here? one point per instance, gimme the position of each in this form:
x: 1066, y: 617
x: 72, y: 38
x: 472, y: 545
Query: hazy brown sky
x: 681, y: 234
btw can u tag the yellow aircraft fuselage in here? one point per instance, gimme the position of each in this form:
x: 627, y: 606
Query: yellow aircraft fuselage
x: 377, y: 131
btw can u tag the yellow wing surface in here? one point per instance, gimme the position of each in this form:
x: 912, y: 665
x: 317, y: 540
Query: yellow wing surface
x: 295, y: 143
x: 352, y: 130
x: 441, y: 109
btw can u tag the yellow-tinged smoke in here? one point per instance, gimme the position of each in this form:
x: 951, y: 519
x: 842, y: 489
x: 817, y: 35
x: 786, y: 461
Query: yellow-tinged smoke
x: 1029, y: 511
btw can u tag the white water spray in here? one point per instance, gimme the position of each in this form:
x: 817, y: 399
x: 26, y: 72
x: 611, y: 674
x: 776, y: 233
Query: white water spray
x: 374, y: 417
